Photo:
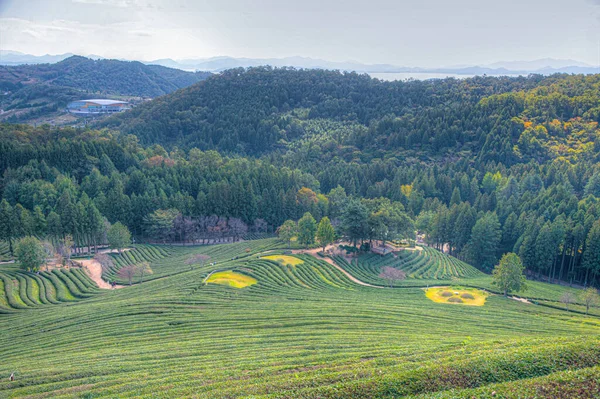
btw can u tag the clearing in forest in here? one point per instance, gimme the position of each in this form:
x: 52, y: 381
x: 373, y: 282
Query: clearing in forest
x: 232, y: 279
x: 457, y: 295
x: 284, y: 259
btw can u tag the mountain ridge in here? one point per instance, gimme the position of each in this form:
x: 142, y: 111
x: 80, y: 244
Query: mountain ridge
x: 220, y: 63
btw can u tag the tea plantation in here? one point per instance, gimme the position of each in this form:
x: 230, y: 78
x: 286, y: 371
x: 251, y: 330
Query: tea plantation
x: 300, y: 329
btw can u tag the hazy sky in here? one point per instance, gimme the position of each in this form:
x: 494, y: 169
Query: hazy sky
x: 414, y: 33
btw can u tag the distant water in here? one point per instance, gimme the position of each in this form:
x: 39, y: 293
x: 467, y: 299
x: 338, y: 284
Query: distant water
x: 421, y: 76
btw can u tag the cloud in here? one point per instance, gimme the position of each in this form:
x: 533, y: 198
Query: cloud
x: 119, y: 3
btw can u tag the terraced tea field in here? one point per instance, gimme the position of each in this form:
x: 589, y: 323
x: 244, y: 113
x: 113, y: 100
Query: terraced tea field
x: 300, y: 331
x: 169, y: 260
x: 22, y: 290
x: 428, y: 265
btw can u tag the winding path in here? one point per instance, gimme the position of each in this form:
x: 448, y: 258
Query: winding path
x: 313, y: 252
x: 94, y: 270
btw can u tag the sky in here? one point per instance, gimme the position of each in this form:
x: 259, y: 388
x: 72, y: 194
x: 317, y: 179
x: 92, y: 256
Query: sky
x: 425, y: 33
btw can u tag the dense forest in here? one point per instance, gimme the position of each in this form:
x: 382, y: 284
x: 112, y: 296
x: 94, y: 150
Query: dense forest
x: 480, y: 166
x: 44, y: 88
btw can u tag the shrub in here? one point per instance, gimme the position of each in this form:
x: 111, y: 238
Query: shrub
x: 446, y: 294
x: 455, y: 300
x: 466, y: 295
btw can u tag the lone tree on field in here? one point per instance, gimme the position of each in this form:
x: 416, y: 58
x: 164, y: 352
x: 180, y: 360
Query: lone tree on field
x: 307, y: 227
x: 325, y: 232
x: 508, y: 274
x: 590, y: 298
x: 567, y: 298
x: 30, y: 253
x: 392, y: 274
x: 197, y: 259
x: 143, y: 268
x: 118, y: 236
x: 128, y: 272
x: 287, y: 231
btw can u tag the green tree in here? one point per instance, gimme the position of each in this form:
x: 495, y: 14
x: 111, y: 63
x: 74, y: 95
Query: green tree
x: 456, y: 197
x: 545, y: 248
x: 591, y: 256
x: 54, y: 226
x: 354, y: 221
x: 325, y: 233
x: 160, y: 223
x: 118, y: 236
x: 307, y: 227
x: 508, y: 274
x: 287, y: 231
x: 30, y: 253
x: 39, y: 222
x: 7, y: 224
x: 485, y: 237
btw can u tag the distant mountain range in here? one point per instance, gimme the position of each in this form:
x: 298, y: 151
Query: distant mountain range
x: 544, y: 66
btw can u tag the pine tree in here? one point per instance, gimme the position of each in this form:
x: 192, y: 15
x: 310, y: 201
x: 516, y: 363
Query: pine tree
x: 591, y: 256
x: 39, y: 222
x: 7, y: 225
x: 485, y: 238
x: 456, y: 197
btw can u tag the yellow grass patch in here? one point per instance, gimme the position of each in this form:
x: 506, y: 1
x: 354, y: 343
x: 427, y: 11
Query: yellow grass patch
x: 457, y: 295
x: 232, y: 279
x: 284, y: 259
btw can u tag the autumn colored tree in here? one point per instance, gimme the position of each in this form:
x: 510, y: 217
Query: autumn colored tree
x: 391, y: 274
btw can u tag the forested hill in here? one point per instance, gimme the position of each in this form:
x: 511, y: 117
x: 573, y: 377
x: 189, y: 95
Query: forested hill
x: 100, y: 76
x: 39, y: 93
x: 257, y: 110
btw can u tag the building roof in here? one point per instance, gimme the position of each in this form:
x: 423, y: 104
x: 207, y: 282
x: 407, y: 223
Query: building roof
x: 104, y: 101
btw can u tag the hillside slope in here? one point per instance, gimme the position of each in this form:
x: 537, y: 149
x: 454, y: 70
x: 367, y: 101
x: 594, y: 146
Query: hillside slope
x: 44, y: 88
x: 302, y: 331
x: 258, y: 110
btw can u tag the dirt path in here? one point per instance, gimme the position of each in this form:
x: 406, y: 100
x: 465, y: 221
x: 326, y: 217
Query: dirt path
x: 520, y: 299
x: 313, y: 252
x: 351, y: 277
x: 93, y: 269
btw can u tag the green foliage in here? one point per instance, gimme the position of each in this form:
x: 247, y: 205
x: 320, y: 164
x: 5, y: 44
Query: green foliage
x: 287, y: 231
x: 485, y: 238
x: 325, y: 233
x: 360, y: 357
x: 118, y: 236
x: 307, y: 228
x: 508, y: 274
x: 30, y: 253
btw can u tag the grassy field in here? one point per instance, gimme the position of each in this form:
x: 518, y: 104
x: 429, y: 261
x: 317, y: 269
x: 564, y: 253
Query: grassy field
x: 303, y: 331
